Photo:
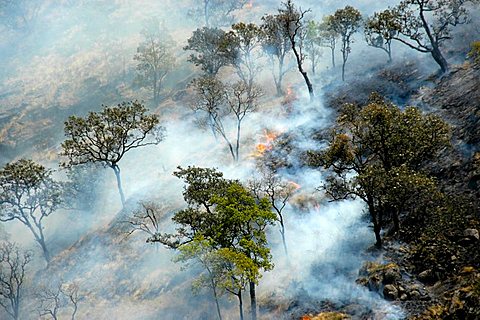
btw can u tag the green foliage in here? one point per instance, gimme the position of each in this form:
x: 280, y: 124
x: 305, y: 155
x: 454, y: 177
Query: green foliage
x: 423, y: 25
x: 223, y: 228
x: 214, y: 49
x: 29, y: 194
x: 380, y: 30
x: 155, y: 58
x: 385, y: 147
x: 106, y: 136
x: 345, y: 22
x: 246, y: 38
x: 474, y: 53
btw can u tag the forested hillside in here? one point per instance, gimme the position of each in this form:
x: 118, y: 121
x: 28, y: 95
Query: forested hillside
x: 239, y: 159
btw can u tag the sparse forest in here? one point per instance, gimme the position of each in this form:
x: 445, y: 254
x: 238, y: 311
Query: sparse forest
x: 279, y: 159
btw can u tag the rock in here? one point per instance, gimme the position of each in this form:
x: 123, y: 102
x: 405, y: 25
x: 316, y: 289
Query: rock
x: 391, y: 276
x: 426, y: 276
x: 472, y: 234
x: 403, y: 297
x: 415, y: 295
x: 390, y: 292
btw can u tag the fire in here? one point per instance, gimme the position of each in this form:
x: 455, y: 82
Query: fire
x: 289, y: 98
x: 267, y: 145
x: 249, y: 5
x: 295, y: 186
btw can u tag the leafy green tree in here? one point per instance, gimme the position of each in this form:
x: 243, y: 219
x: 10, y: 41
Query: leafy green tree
x: 276, y: 45
x: 29, y: 194
x: 292, y: 21
x: 225, y: 215
x: 385, y: 148
x: 215, y: 102
x: 346, y: 22
x: 13, y: 274
x: 215, y: 13
x: 328, y: 36
x: 214, y: 49
x: 105, y: 137
x: 313, y: 42
x: 155, y: 59
x: 380, y: 31
x: 424, y: 25
x: 246, y: 38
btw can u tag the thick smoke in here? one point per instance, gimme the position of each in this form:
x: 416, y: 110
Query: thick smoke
x: 76, y: 56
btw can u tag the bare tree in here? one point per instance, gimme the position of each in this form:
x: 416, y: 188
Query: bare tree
x: 292, y: 22
x: 278, y: 192
x: 58, y: 296
x: 217, y: 102
x: 29, y: 194
x: 13, y: 267
x: 146, y: 218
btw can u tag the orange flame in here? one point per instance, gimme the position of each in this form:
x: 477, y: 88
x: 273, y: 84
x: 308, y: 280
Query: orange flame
x: 267, y: 145
x: 249, y: 5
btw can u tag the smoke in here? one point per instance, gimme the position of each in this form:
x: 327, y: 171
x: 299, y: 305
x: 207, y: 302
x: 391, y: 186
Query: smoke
x: 76, y: 56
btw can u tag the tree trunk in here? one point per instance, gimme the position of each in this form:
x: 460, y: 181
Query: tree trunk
x: 214, y: 288
x: 46, y: 253
x: 333, y: 57
x: 237, y: 145
x: 377, y: 227
x: 116, y: 169
x: 389, y: 51
x: 253, y: 301
x: 240, y: 304
x: 439, y: 59
x: 304, y: 74
x: 278, y: 83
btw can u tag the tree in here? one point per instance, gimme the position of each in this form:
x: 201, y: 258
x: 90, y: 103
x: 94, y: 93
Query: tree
x: 216, y: 13
x: 214, y: 49
x: 13, y: 267
x: 385, y: 148
x: 82, y: 186
x: 328, y: 36
x: 54, y: 297
x: 223, y: 213
x: 380, y: 31
x: 346, y: 22
x: 291, y: 20
x: 146, y: 218
x: 278, y: 192
x: 216, y: 102
x: 246, y: 38
x: 106, y: 136
x: 155, y: 59
x: 474, y: 53
x: 276, y: 44
x: 28, y: 194
x: 313, y: 43
x: 424, y: 25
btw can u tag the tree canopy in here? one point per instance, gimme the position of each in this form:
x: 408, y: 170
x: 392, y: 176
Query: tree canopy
x: 106, y: 136
x: 385, y: 147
